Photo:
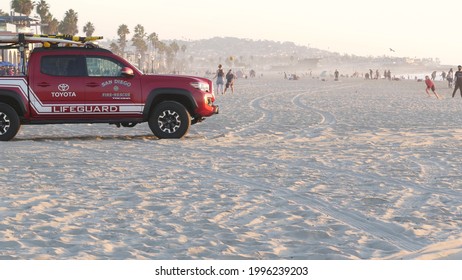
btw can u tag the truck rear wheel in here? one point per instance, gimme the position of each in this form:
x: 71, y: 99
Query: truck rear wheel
x: 9, y: 122
x: 169, y: 119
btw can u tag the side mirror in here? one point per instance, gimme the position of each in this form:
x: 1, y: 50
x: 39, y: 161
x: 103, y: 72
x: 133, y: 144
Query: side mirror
x: 127, y: 72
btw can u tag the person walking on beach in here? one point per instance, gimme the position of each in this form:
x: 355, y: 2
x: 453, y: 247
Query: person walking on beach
x: 458, y: 81
x: 220, y: 75
x: 230, y: 80
x: 450, y: 77
x: 430, y: 85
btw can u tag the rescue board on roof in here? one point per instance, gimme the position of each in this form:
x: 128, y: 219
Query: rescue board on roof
x: 51, y: 39
x: 69, y: 37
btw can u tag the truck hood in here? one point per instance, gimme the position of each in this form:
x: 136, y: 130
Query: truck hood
x: 169, y: 77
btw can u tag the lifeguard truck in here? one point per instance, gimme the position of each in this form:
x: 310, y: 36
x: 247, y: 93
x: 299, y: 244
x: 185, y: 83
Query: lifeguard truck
x: 70, y: 80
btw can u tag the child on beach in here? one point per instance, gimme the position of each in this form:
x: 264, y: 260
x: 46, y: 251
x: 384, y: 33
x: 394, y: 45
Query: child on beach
x: 430, y: 85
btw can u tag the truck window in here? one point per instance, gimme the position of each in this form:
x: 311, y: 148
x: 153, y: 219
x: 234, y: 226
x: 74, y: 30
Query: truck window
x: 67, y: 66
x: 103, y: 67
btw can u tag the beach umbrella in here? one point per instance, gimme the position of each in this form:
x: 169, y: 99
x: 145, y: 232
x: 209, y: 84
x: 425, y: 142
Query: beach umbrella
x: 6, y: 63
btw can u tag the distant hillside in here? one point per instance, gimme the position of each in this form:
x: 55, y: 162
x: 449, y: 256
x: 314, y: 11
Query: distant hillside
x: 271, y: 55
x: 219, y: 46
x: 248, y: 53
x: 234, y: 52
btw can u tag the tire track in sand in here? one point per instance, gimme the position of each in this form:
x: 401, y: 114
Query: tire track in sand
x: 385, y: 231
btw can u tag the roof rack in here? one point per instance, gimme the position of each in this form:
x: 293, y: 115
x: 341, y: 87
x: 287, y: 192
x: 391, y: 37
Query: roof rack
x: 21, y: 41
x: 15, y: 40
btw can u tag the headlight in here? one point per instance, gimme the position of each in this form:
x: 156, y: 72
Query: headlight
x: 201, y: 86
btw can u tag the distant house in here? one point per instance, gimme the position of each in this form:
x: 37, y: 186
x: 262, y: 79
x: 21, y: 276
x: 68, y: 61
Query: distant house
x: 16, y: 22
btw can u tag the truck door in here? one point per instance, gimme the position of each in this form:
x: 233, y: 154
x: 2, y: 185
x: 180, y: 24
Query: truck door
x: 110, y: 95
x: 57, y: 92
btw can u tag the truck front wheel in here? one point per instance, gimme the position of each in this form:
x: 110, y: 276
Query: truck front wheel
x: 169, y: 119
x: 9, y: 122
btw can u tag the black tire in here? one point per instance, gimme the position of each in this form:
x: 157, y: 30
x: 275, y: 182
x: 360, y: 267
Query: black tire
x: 9, y: 122
x: 169, y: 119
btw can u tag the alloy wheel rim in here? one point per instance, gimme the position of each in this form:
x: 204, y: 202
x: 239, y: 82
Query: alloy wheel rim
x: 4, y: 123
x: 169, y: 121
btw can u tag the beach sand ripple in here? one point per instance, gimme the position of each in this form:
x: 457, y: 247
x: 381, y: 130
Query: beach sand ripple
x: 304, y: 169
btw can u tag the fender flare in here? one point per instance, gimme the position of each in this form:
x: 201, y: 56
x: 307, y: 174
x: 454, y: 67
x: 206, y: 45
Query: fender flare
x: 172, y: 94
x: 14, y: 100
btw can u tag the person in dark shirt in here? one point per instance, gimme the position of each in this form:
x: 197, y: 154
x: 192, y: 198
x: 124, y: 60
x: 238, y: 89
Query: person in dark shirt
x: 230, y: 81
x: 458, y: 81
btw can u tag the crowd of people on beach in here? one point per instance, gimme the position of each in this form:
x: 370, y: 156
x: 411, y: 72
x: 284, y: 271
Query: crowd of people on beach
x: 451, y: 77
x: 375, y: 75
x: 225, y: 81
x: 454, y: 79
x: 8, y: 71
x: 370, y: 74
x: 292, y: 77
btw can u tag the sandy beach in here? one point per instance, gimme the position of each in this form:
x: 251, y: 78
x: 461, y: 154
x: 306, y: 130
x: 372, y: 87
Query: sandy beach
x: 307, y: 169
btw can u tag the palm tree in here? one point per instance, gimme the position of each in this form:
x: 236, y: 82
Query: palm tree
x: 53, y: 26
x: 42, y: 8
x: 122, y: 32
x: 69, y: 24
x: 183, y: 60
x: 139, y: 38
x: 139, y: 42
x: 89, y: 29
x: 161, y: 50
x: 22, y: 6
x: 115, y: 48
x: 175, y: 47
x: 153, y: 38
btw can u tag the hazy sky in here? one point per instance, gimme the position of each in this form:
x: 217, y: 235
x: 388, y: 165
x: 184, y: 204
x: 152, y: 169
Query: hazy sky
x: 412, y: 28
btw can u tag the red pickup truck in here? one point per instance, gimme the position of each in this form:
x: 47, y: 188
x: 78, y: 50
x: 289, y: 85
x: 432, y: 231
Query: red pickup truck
x: 93, y: 85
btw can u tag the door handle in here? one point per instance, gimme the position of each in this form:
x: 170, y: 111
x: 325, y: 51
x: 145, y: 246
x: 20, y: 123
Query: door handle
x: 43, y: 84
x: 92, y: 84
